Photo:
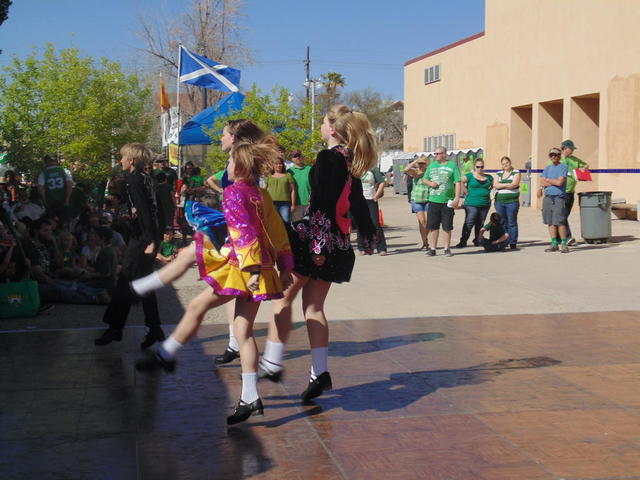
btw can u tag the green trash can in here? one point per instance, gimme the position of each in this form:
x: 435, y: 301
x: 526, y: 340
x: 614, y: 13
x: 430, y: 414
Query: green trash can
x: 595, y: 216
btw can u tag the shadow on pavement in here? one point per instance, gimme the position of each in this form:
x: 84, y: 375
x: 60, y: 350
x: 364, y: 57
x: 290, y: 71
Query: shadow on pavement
x: 403, y: 389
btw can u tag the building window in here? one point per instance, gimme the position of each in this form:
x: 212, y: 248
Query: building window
x: 446, y: 141
x: 432, y: 74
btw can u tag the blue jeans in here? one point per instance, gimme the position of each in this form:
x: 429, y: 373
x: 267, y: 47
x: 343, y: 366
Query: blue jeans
x: 284, y: 209
x: 474, y: 220
x: 509, y: 215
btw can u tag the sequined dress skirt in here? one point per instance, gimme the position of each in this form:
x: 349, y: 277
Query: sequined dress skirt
x: 339, y: 261
x: 220, y: 270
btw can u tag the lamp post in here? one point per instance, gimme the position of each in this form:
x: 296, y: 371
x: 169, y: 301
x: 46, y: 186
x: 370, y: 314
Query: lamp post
x: 312, y: 84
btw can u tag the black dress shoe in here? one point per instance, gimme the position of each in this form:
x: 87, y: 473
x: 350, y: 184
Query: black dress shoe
x: 317, y: 386
x: 264, y: 372
x: 154, y: 335
x: 245, y: 410
x: 108, y: 336
x: 460, y: 245
x: 229, y: 355
x: 152, y: 361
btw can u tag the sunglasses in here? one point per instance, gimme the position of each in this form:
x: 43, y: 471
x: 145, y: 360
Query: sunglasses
x: 479, y: 166
x: 554, y: 155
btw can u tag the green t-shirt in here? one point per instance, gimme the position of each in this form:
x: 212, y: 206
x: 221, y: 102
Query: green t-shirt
x: 506, y: 195
x: 495, y: 231
x: 479, y: 192
x: 572, y: 163
x: 280, y: 187
x: 168, y: 249
x: 301, y: 178
x: 446, y: 176
x: 54, y: 180
x: 196, y: 181
x: 467, y: 167
x: 420, y: 190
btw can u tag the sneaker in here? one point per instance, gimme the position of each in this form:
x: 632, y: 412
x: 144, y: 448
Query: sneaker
x: 572, y: 241
x: 564, y: 248
x: 431, y: 252
x: 513, y: 246
x: 383, y: 254
x: 552, y: 248
x: 45, y: 308
x: 448, y: 253
x: 425, y: 246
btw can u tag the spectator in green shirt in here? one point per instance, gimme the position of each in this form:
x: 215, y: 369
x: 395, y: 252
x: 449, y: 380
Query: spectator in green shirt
x: 572, y: 162
x: 282, y: 189
x: 443, y: 177
x: 300, y: 173
x: 477, y: 187
x: 419, y: 196
x: 168, y: 247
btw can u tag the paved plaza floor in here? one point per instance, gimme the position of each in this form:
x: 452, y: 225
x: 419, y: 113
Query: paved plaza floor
x: 517, y: 365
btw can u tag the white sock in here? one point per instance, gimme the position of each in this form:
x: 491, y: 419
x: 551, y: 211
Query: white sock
x: 273, y: 355
x: 147, y: 284
x: 249, y: 387
x: 319, y: 357
x: 233, y: 341
x: 169, y: 348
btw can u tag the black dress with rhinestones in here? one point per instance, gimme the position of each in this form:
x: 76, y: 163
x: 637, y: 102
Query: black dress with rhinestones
x: 326, y: 226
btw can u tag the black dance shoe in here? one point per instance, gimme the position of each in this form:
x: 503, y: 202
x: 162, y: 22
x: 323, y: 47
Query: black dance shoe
x: 155, y: 334
x: 264, y: 372
x: 245, y: 410
x: 108, y: 336
x: 317, y: 386
x: 229, y: 355
x: 152, y: 361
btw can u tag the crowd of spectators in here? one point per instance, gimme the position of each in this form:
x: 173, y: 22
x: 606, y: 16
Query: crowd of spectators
x: 71, y: 239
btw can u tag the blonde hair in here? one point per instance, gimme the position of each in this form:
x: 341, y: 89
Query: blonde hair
x: 253, y: 159
x: 354, y: 129
x: 137, y: 152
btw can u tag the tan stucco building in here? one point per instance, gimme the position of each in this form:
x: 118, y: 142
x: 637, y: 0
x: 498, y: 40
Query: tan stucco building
x: 541, y: 72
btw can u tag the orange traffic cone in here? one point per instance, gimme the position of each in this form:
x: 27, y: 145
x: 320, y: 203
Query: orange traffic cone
x: 381, y: 218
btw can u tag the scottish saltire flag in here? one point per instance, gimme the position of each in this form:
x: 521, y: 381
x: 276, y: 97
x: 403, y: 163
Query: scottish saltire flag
x: 206, y: 73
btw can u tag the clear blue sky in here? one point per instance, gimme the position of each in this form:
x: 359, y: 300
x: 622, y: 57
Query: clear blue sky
x: 366, y: 41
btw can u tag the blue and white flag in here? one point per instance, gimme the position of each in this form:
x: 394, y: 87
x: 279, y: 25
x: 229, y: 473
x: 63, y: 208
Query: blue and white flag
x: 206, y: 73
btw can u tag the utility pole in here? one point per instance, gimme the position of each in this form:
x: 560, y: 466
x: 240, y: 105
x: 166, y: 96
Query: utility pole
x: 307, y: 69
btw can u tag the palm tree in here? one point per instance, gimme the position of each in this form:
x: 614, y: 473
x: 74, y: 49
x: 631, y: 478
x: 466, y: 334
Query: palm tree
x: 332, y: 81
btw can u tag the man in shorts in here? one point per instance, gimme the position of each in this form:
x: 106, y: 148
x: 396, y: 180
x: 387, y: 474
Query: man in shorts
x: 443, y: 177
x: 553, y: 183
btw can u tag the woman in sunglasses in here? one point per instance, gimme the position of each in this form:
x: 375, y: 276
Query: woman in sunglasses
x: 477, y: 187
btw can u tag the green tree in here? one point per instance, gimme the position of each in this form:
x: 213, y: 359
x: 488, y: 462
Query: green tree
x: 274, y: 113
x: 65, y: 105
x: 385, y: 115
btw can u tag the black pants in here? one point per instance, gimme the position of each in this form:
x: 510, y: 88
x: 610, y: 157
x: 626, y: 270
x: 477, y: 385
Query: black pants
x: 381, y: 241
x: 136, y: 264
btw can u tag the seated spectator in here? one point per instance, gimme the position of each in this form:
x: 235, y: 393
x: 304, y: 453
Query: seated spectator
x: 68, y: 247
x: 168, y: 247
x: 7, y: 255
x: 43, y: 255
x: 25, y: 208
x: 117, y: 240
x: 498, y: 237
x: 89, y: 253
x: 104, y: 273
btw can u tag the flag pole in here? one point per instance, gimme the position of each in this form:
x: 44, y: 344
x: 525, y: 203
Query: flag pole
x: 178, y: 107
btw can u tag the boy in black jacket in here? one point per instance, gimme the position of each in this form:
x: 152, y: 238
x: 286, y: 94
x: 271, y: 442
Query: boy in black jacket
x: 141, y: 251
